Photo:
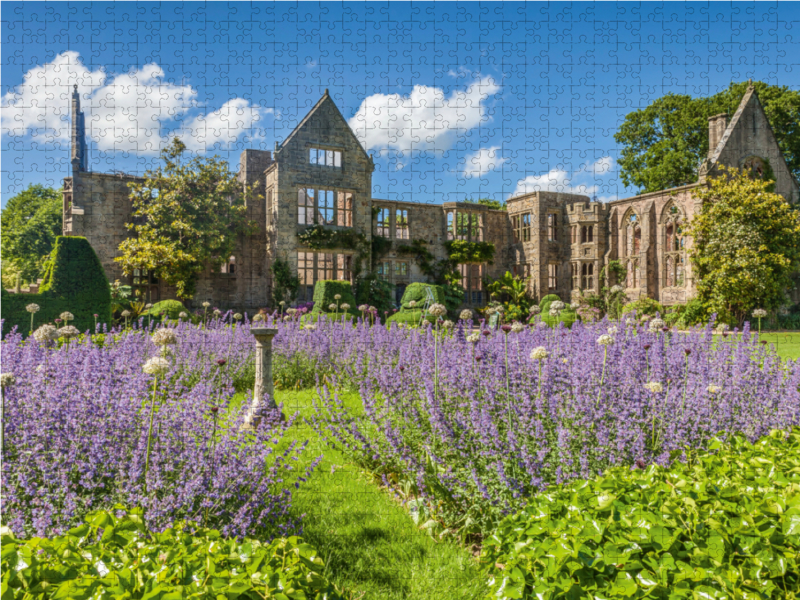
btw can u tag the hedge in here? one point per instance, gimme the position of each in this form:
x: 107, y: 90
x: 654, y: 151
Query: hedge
x: 74, y: 282
x: 324, y: 295
x: 416, y: 292
x: 409, y: 317
x: 173, y: 308
x: 567, y: 316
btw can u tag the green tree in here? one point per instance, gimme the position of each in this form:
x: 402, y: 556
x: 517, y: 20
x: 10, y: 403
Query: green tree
x: 495, y: 204
x: 187, y: 215
x: 30, y: 223
x: 664, y: 143
x: 746, y: 245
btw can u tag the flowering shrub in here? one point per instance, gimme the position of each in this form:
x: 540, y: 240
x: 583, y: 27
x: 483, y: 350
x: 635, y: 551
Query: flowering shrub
x: 77, y: 422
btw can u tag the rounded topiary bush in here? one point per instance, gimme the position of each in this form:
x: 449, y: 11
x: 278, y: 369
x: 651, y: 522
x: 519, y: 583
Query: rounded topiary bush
x: 644, y: 306
x: 325, y: 293
x: 567, y: 316
x: 410, y: 317
x: 417, y: 292
x: 173, y: 308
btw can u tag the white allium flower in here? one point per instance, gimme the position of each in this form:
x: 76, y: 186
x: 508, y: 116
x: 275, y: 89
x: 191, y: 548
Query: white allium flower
x: 332, y: 306
x: 148, y: 306
x: 474, y: 338
x: 541, y: 325
x: 206, y: 304
x: 68, y: 331
x: 282, y: 302
x: 237, y: 316
x: 164, y: 337
x: 465, y: 315
x: 310, y: 327
x: 345, y: 306
x: 258, y: 317
x: 412, y: 304
x: 654, y: 387
x: 67, y: 316
x: 490, y: 310
x: 499, y: 310
x: 535, y: 309
x: 447, y: 324
x: 157, y: 366
x: 612, y: 330
x: 287, y: 318
x: 46, y: 333
x: 337, y: 297
x: 363, y: 307
x: 722, y: 327
x: 759, y: 313
x: 605, y: 340
x: 656, y: 324
x: 714, y: 389
x: 554, y: 312
x: 437, y: 310
x: 126, y: 313
x: 32, y: 308
x: 517, y: 327
x: 291, y: 311
x: 7, y: 379
x: 182, y: 315
x: 645, y: 318
x: 372, y: 309
x: 217, y: 313
x: 557, y: 304
x: 616, y: 289
x: 575, y: 305
x: 539, y: 353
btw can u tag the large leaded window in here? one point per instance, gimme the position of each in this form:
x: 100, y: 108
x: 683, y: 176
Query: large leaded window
x: 552, y: 227
x: 318, y: 206
x: 316, y: 266
x: 401, y: 225
x: 325, y: 158
x: 674, y: 248
x: 464, y: 226
x: 384, y: 226
x: 472, y: 282
x: 633, y: 247
x: 587, y: 276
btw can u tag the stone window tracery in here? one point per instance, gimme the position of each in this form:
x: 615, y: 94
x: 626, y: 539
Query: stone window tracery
x: 324, y: 207
x: 587, y: 276
x: 674, y: 248
x: 633, y: 247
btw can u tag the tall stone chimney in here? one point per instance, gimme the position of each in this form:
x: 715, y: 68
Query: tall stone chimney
x: 78, y: 140
x: 716, y: 128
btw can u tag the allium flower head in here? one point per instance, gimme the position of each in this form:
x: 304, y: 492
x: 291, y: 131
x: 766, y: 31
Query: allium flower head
x: 535, y: 309
x: 32, y: 308
x: 310, y: 327
x: 337, y: 297
x: 206, y: 304
x: 45, y: 333
x: 447, y: 324
x: 616, y: 289
x: 221, y: 362
x: 575, y: 305
x: 257, y: 318
x: 722, y: 327
x: 291, y: 311
x: 714, y: 389
x: 363, y: 307
x: 506, y: 328
x: 759, y: 313
x: 148, y: 306
x: 654, y: 387
x: 656, y: 324
x: 554, y: 312
x: 474, y: 338
x: 157, y: 366
x: 539, y: 353
x: 605, y: 340
x: 164, y: 337
x: 126, y: 313
x: 287, y: 318
x: 373, y: 309
x: 332, y: 306
x: 182, y: 315
x: 345, y: 306
x: 437, y: 310
x: 67, y: 316
x: 68, y: 331
x: 237, y: 316
x: 412, y: 304
x: 282, y: 302
x: 465, y: 315
x: 557, y: 304
x: 612, y: 330
x: 217, y: 312
x: 7, y: 379
x: 517, y: 327
x: 499, y: 310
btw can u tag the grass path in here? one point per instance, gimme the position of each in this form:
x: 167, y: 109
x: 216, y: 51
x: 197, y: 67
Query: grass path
x: 370, y: 545
x: 787, y: 344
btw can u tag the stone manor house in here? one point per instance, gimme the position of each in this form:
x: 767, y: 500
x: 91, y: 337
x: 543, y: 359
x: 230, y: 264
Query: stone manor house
x: 321, y: 175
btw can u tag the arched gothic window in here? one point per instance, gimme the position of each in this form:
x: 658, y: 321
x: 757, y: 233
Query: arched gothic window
x: 674, y: 247
x: 633, y: 246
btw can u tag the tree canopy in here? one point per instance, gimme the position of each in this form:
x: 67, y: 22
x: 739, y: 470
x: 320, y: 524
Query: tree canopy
x: 746, y: 245
x: 30, y: 223
x: 187, y: 215
x: 664, y: 143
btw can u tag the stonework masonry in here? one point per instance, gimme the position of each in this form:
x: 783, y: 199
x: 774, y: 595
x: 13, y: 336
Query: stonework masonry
x: 321, y: 175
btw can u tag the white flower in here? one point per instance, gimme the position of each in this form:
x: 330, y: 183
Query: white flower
x: 557, y: 305
x: 554, y: 312
x: 722, y: 327
x: 654, y: 387
x: 605, y: 340
x: 126, y: 313
x: 363, y: 307
x: 612, y: 330
x: 412, y: 304
x: 372, y: 309
x: 157, y: 366
x: 7, y: 379
x: 437, y: 310
x: 287, y: 318
x: 714, y: 389
x: 616, y: 289
x: 67, y: 316
x: 291, y: 311
x: 310, y: 327
x: 517, y: 327
x: 759, y: 313
x: 499, y: 310
x: 337, y: 297
x: 68, y: 331
x: 575, y: 305
x: 32, y: 308
x: 282, y: 302
x: 45, y: 333
x: 217, y: 312
x: 332, y: 306
x: 656, y: 324
x: 164, y: 337
x: 148, y: 306
x: 539, y: 353
x: 206, y: 304
x: 182, y: 315
x: 465, y: 315
x: 541, y: 325
x: 237, y: 316
x: 535, y: 309
x: 474, y: 338
x: 258, y: 317
x: 490, y: 310
x: 447, y: 324
x: 345, y: 306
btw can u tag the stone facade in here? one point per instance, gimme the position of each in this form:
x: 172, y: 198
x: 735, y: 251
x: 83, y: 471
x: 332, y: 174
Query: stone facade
x: 321, y: 175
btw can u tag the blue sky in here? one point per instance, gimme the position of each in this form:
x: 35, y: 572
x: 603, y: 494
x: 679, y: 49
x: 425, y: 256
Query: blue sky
x: 455, y: 100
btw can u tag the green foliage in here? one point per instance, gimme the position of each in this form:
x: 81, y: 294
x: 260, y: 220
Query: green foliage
x: 746, y: 245
x: 74, y: 282
x: 693, y: 313
x: 30, y: 223
x: 318, y: 237
x: 689, y: 531
x: 663, y: 144
x: 463, y: 252
x: 421, y: 255
x: 644, y: 306
x: 567, y: 315
x: 416, y: 292
x: 410, y: 318
x: 489, y: 202
x: 453, y: 296
x: 284, y: 282
x: 324, y: 295
x: 380, y: 246
x: 512, y: 292
x: 173, y: 308
x: 187, y: 216
x: 117, y: 557
x: 377, y: 292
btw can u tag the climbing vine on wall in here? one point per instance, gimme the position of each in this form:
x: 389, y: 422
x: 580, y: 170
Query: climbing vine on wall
x: 318, y: 237
x: 284, y: 282
x: 463, y: 252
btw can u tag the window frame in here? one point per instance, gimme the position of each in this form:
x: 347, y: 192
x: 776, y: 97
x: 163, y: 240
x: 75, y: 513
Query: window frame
x: 331, y: 157
x: 337, y: 203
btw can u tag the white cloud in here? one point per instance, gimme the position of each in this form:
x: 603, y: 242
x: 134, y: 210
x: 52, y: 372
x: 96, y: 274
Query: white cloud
x: 132, y: 112
x: 425, y: 119
x: 482, y: 162
x: 558, y: 180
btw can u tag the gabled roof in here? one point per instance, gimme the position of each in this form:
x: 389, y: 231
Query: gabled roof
x: 751, y: 91
x: 326, y: 99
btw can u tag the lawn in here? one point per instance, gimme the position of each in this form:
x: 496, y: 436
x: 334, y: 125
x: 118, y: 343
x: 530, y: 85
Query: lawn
x: 787, y: 343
